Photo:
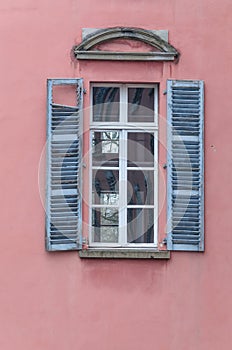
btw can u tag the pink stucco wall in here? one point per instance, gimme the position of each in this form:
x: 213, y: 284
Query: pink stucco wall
x: 55, y: 300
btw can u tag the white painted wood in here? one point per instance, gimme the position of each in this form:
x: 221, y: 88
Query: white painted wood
x: 124, y: 127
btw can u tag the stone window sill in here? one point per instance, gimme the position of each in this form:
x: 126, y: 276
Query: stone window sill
x: 124, y: 254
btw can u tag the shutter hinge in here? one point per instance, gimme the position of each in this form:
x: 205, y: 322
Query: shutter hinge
x: 84, y: 91
x: 85, y: 240
x: 164, y: 241
x: 165, y: 166
x: 165, y: 92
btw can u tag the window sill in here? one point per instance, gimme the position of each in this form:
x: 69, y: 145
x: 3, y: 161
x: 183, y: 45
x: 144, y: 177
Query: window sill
x: 124, y: 254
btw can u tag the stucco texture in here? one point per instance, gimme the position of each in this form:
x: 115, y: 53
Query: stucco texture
x: 57, y: 300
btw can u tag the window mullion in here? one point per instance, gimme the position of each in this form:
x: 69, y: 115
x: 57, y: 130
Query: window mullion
x: 122, y: 167
x: 123, y: 188
x: 156, y: 188
x: 156, y: 99
x: 123, y: 105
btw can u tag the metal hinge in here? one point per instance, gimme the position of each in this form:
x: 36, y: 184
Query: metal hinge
x: 164, y: 241
x: 84, y: 240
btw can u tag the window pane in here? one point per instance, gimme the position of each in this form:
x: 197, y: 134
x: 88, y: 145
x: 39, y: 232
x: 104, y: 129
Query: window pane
x: 105, y: 187
x: 140, y: 225
x: 141, y: 105
x: 105, y: 225
x: 140, y: 187
x: 105, y: 148
x: 140, y: 149
x: 105, y: 104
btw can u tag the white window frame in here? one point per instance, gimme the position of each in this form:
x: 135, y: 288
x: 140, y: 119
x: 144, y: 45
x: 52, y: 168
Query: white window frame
x: 124, y: 127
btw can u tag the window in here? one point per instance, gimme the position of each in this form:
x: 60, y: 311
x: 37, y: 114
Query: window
x: 124, y: 166
x: 124, y: 144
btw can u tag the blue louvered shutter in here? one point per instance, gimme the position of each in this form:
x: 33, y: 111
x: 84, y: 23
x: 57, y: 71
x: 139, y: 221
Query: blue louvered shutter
x: 63, y: 192
x: 185, y: 171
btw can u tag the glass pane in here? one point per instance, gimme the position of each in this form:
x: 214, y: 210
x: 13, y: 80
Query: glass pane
x: 105, y: 187
x: 140, y: 187
x: 141, y: 105
x: 140, y: 225
x: 105, y: 148
x: 105, y: 225
x: 140, y: 149
x: 106, y: 104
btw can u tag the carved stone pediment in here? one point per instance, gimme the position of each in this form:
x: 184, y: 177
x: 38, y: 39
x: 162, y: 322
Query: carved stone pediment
x: 122, y: 43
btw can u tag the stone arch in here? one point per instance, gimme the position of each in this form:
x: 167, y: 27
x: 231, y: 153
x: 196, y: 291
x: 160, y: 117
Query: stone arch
x: 86, y: 49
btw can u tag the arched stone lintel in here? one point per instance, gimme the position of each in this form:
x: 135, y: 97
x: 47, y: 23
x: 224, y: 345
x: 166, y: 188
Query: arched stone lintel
x: 85, y: 50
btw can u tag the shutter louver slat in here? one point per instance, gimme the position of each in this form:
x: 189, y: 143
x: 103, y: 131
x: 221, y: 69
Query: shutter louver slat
x: 185, y: 166
x: 63, y: 224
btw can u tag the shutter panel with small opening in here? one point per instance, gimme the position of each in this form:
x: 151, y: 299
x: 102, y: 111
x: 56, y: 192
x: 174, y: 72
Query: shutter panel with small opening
x: 185, y: 175
x: 63, y: 192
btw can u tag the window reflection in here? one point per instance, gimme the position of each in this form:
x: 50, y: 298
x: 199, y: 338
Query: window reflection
x: 105, y: 225
x: 140, y: 149
x: 105, y: 104
x: 140, y: 105
x: 140, y: 225
x: 140, y: 187
x: 105, y: 148
x: 105, y: 186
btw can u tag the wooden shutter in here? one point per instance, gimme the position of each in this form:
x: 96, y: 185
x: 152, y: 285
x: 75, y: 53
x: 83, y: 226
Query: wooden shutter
x: 185, y: 172
x: 63, y: 192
